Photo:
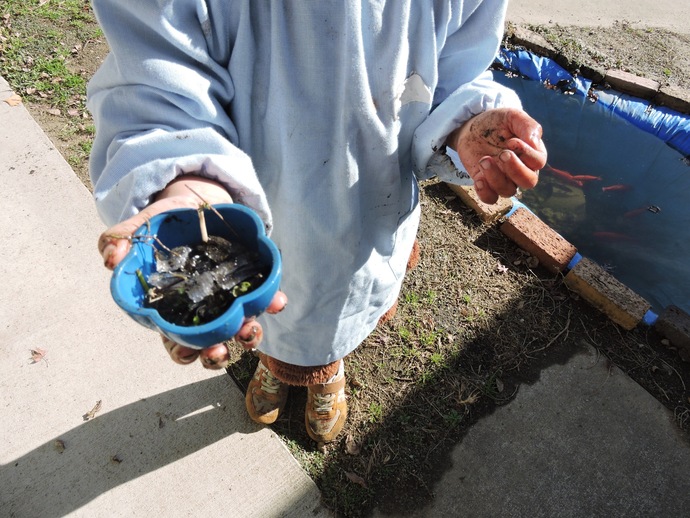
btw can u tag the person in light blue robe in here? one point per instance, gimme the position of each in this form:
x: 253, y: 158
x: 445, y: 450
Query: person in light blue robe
x: 319, y: 115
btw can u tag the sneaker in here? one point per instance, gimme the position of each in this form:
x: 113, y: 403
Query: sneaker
x: 266, y: 396
x: 326, y: 408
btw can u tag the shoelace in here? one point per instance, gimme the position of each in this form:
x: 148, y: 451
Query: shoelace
x: 269, y: 383
x: 323, y: 403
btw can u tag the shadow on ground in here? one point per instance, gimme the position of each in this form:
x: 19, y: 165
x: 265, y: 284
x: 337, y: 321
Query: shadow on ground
x: 475, y: 324
x: 116, y: 447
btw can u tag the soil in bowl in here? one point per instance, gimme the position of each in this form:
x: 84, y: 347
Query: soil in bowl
x: 193, y: 285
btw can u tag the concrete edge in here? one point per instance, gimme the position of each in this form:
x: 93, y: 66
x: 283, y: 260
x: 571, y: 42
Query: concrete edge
x: 673, y: 98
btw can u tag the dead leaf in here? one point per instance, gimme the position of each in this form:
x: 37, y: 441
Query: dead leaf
x: 501, y: 268
x: 53, y: 111
x: 14, y: 100
x: 73, y: 113
x: 92, y: 413
x: 354, y: 477
x: 37, y: 355
x: 116, y: 459
x: 499, y: 385
x: 59, y: 445
x: 43, y: 2
x: 351, y: 446
x: 355, y: 383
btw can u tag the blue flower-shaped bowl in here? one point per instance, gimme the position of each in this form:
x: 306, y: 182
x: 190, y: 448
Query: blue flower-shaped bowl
x: 181, y: 227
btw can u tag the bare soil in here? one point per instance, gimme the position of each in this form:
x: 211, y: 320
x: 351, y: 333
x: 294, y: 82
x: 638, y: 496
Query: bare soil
x: 474, y: 323
x: 653, y: 53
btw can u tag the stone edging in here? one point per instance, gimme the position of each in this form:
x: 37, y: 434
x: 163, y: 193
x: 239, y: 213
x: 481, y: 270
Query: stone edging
x: 674, y: 98
x: 583, y: 276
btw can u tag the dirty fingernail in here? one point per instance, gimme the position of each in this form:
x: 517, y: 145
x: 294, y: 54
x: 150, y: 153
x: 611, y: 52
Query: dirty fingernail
x: 505, y: 156
x: 188, y: 356
x: 251, y: 337
x: 479, y: 184
x: 211, y: 362
x: 485, y: 163
x: 215, y: 364
x: 107, y: 252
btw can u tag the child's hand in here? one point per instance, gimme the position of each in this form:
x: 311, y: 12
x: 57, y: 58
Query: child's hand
x: 115, y: 242
x: 502, y: 150
x: 217, y: 356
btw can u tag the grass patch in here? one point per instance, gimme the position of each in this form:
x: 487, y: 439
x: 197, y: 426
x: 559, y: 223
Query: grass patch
x: 48, y: 52
x: 37, y: 45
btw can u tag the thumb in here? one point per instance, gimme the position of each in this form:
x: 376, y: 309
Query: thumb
x: 114, y: 243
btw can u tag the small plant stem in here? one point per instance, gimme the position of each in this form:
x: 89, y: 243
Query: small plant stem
x: 212, y: 209
x: 142, y: 280
x: 202, y: 224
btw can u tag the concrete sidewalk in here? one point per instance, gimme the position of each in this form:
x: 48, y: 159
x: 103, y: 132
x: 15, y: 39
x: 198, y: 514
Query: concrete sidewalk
x: 584, y: 440
x: 167, y: 440
x: 672, y: 15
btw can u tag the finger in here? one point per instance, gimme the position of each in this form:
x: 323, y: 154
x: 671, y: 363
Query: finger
x: 533, y: 158
x: 278, y: 303
x: 483, y: 189
x: 215, y: 357
x: 115, y: 242
x: 515, y: 171
x: 494, y: 176
x: 250, y: 334
x: 179, y: 353
x: 525, y: 128
x: 114, y: 251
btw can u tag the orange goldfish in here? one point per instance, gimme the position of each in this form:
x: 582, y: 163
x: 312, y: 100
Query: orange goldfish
x: 619, y: 187
x: 564, y: 175
x: 586, y: 178
x: 613, y: 236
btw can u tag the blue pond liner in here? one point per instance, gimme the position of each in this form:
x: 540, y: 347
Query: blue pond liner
x: 630, y: 208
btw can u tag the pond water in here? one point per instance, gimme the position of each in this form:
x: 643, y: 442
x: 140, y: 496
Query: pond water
x: 619, y: 194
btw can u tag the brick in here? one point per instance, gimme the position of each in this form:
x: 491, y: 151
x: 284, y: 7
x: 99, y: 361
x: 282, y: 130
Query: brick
x: 674, y: 323
x: 632, y: 84
x: 532, y: 41
x: 487, y: 213
x: 675, y: 98
x: 594, y: 284
x: 531, y: 234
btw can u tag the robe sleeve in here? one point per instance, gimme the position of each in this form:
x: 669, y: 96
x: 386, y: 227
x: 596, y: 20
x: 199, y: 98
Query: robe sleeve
x: 465, y: 86
x: 161, y: 107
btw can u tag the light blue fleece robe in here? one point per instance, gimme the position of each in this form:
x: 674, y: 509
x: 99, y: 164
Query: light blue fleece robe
x: 317, y: 114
